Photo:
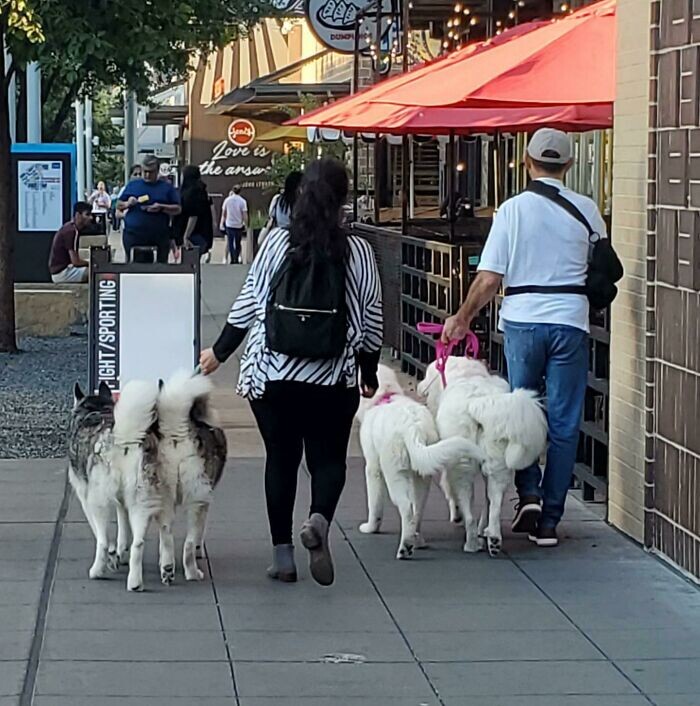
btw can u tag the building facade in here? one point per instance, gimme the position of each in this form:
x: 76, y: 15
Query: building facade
x: 655, y: 366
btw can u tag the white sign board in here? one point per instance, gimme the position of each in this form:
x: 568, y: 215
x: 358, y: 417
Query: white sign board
x: 39, y: 195
x: 144, y: 326
x: 333, y: 23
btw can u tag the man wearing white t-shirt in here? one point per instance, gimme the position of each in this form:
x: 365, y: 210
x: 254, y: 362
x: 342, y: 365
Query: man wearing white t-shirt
x: 534, y: 243
x: 234, y: 221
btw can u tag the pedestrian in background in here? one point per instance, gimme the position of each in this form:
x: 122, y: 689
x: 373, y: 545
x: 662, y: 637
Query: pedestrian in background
x: 282, y: 204
x: 195, y: 225
x: 304, y: 403
x: 65, y: 263
x: 149, y: 203
x: 234, y: 221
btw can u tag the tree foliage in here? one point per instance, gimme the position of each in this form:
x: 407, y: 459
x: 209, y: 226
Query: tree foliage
x: 89, y: 44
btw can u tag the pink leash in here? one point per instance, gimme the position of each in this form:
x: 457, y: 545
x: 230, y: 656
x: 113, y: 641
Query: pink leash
x: 444, y: 350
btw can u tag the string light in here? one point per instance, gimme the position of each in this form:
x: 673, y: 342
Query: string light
x: 473, y: 21
x: 458, y: 7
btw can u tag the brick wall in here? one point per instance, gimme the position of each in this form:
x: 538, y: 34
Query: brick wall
x: 629, y: 225
x: 672, y: 509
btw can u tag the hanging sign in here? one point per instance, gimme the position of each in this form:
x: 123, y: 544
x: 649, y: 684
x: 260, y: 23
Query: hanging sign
x: 241, y: 132
x: 333, y: 23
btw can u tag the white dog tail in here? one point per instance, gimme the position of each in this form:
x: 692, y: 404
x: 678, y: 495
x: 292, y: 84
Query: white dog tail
x: 177, y: 397
x: 526, y: 429
x: 427, y: 460
x: 135, y: 412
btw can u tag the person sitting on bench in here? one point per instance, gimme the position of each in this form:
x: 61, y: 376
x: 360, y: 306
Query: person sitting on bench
x: 65, y: 263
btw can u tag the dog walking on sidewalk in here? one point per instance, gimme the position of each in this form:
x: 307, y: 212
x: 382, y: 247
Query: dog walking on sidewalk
x: 403, y: 452
x: 509, y: 427
x: 113, y: 463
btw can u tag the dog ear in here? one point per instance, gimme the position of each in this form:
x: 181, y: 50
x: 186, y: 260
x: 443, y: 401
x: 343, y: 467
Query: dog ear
x: 104, y: 392
x: 78, y: 394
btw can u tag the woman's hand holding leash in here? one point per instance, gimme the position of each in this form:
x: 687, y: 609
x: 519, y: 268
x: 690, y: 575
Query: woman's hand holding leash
x: 208, y: 362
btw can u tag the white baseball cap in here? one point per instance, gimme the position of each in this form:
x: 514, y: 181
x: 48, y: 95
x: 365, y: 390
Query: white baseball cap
x: 550, y: 146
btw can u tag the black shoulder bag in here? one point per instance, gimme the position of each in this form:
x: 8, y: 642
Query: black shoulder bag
x: 604, y: 266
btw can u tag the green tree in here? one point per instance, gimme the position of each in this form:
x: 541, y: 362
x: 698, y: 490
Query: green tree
x: 84, y: 45
x: 18, y: 25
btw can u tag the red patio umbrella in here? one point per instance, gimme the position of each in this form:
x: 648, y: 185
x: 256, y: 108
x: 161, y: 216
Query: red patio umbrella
x: 561, y: 63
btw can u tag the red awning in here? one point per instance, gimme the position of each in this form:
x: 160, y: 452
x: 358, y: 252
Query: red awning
x: 412, y: 120
x: 561, y: 64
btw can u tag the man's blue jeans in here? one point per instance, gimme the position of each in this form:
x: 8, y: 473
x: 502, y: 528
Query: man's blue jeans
x: 551, y: 359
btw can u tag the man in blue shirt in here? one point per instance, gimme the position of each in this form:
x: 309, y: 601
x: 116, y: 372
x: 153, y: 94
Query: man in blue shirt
x: 149, y: 203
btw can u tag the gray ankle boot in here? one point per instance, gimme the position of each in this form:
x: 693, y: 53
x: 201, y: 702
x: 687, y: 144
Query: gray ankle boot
x: 314, y: 536
x: 283, y: 567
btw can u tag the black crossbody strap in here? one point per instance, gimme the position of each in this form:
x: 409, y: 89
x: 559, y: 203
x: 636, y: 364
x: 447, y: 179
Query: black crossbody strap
x: 553, y: 194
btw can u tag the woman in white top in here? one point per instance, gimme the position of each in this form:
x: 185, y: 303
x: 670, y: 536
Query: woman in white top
x: 306, y: 404
x: 101, y: 201
x: 282, y: 204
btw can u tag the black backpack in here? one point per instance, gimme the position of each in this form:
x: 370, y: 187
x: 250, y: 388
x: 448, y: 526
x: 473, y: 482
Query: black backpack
x: 306, y: 312
x: 604, y: 266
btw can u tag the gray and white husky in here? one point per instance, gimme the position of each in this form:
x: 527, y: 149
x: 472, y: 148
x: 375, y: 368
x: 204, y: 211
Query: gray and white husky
x: 113, y: 463
x: 192, y: 453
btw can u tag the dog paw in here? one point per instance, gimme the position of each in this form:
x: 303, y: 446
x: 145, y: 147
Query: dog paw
x: 123, y: 557
x: 135, y: 585
x: 98, y: 571
x: 456, y: 518
x: 167, y: 574
x: 419, y: 541
x: 494, y: 545
x: 112, y: 560
x: 473, y: 545
x: 194, y: 575
x: 369, y: 527
x: 405, y: 551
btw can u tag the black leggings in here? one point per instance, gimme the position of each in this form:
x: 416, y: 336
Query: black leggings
x: 296, y: 417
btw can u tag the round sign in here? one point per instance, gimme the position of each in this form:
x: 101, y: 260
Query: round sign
x: 241, y: 132
x: 333, y: 23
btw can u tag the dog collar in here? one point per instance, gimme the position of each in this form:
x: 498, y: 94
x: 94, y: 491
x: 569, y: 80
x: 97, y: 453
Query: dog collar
x: 386, y: 398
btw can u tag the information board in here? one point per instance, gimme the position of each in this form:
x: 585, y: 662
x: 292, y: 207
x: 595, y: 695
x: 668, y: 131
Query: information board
x: 39, y: 195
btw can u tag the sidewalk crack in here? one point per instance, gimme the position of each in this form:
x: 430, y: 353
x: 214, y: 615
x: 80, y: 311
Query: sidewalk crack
x: 37, y: 645
x: 224, y: 634
x: 403, y: 635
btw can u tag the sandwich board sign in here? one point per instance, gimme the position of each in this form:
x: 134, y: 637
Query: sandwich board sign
x: 144, y: 320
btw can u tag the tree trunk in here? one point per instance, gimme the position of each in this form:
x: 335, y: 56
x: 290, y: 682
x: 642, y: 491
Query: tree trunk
x: 8, y: 339
x: 61, y: 116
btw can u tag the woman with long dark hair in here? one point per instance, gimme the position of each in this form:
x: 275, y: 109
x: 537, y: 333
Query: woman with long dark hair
x: 304, y: 399
x: 282, y: 205
x: 194, y: 226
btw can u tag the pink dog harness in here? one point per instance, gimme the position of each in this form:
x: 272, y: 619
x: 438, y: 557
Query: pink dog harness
x: 386, y: 398
x: 444, y: 350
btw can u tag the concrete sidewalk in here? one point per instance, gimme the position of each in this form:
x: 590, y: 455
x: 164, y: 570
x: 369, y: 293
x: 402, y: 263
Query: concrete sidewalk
x: 595, y: 622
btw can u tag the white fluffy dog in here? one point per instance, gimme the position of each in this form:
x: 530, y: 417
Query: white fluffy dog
x: 192, y: 452
x: 402, y: 449
x: 509, y: 427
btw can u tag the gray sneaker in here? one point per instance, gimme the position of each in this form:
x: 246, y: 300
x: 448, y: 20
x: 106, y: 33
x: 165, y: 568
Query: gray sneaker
x: 314, y: 536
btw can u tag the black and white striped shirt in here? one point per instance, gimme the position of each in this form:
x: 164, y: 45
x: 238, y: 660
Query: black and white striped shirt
x: 260, y: 365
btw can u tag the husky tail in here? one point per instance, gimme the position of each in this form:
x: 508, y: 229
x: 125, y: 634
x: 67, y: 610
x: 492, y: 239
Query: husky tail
x: 427, y: 460
x: 176, y: 401
x: 135, y: 412
x: 525, y: 429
